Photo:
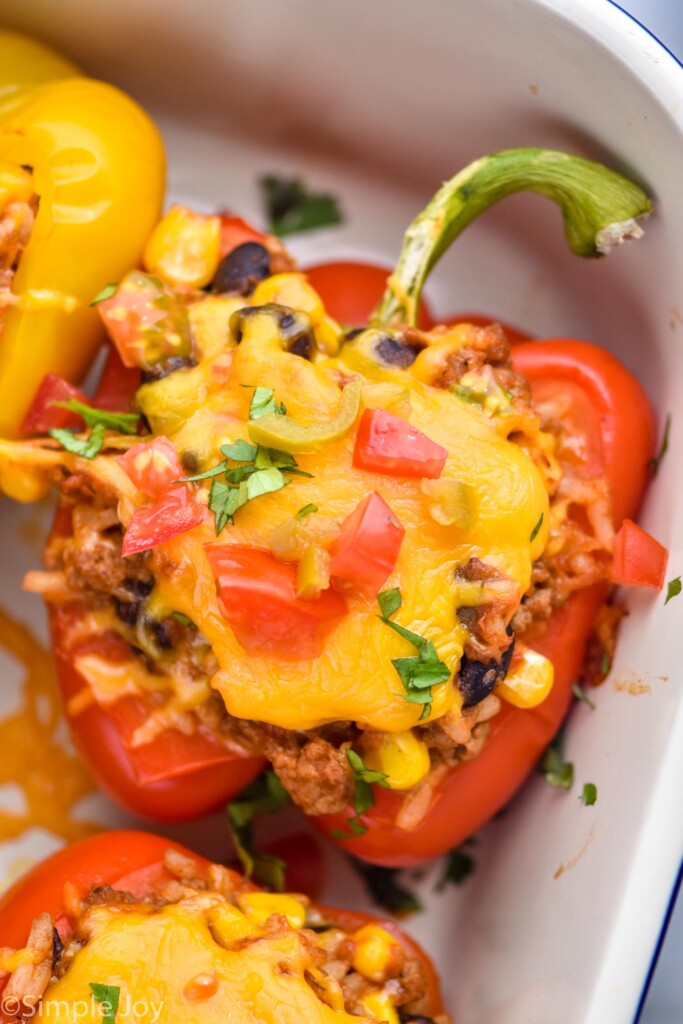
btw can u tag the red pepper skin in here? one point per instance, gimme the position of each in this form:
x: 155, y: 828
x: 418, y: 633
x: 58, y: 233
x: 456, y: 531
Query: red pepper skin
x: 235, y: 231
x: 258, y: 597
x: 134, y: 862
x: 639, y: 559
x: 365, y: 553
x: 175, y: 513
x: 351, y: 290
x: 388, y: 444
x: 609, y: 411
x: 43, y: 415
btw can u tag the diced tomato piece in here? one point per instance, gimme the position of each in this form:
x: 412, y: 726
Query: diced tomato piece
x: 44, y: 415
x: 257, y: 593
x: 175, y: 513
x: 153, y: 466
x: 639, y: 559
x: 146, y: 321
x: 388, y: 444
x: 235, y: 231
x: 365, y: 553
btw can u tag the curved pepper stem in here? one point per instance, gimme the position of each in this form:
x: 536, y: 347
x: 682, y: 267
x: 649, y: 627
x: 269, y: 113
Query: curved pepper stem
x: 600, y: 209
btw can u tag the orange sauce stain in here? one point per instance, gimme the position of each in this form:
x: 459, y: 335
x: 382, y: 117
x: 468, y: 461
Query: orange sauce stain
x: 573, y: 861
x: 51, y: 777
x: 631, y: 683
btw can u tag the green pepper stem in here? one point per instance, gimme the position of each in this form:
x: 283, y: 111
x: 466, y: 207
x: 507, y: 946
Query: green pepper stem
x: 600, y: 209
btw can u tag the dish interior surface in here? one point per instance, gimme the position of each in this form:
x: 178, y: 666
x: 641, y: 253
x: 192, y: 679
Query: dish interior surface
x: 379, y: 104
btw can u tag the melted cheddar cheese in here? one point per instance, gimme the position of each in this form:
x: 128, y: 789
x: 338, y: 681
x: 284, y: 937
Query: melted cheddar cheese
x: 354, y: 678
x: 169, y: 967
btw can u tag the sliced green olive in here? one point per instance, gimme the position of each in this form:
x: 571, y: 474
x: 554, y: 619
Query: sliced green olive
x: 285, y: 434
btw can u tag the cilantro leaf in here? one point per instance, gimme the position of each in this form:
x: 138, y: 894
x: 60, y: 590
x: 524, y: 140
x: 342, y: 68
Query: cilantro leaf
x: 266, y: 795
x: 240, y: 451
x: 183, y: 619
x: 581, y: 695
x: 419, y: 673
x: 292, y: 207
x: 385, y: 889
x: 105, y: 293
x: 589, y: 794
x: 556, y: 771
x: 389, y: 601
x: 656, y: 462
x: 362, y: 772
x: 87, y: 447
x: 536, y: 529
x: 265, y: 481
x: 673, y: 589
x: 355, y: 827
x: 458, y: 866
x: 124, y: 422
x: 307, y: 510
x: 263, y: 403
x: 108, y: 998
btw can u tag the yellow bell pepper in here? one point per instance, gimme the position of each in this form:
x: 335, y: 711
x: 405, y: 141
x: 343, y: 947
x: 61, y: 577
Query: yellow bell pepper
x: 26, y: 62
x: 98, y: 169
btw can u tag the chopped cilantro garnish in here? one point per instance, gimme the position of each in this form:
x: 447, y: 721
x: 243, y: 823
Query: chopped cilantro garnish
x: 673, y: 589
x: 363, y: 797
x: 589, y: 794
x: 124, y: 422
x: 420, y: 672
x: 266, y: 795
x: 87, y: 447
x: 263, y: 403
x: 536, y: 529
x: 182, y: 618
x: 458, y: 865
x: 292, y: 207
x: 384, y: 888
x: 581, y: 695
x: 556, y: 771
x: 260, y: 471
x: 656, y: 462
x: 307, y: 510
x: 108, y: 998
x: 106, y: 293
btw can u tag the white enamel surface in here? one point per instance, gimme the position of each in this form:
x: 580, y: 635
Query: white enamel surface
x: 379, y: 101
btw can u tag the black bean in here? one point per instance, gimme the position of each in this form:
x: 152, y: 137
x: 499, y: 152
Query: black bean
x: 240, y: 271
x: 395, y: 352
x: 477, y: 679
x: 57, y: 948
x: 127, y: 611
x: 164, y: 369
x: 294, y: 327
x: 140, y: 589
x: 161, y: 630
x: 189, y: 460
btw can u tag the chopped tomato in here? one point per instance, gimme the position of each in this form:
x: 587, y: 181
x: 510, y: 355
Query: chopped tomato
x: 365, y: 553
x: 258, y: 597
x: 145, y: 321
x: 639, y: 559
x: 235, y: 231
x: 388, y: 444
x: 175, y: 513
x: 153, y: 466
x: 44, y: 415
x: 118, y: 383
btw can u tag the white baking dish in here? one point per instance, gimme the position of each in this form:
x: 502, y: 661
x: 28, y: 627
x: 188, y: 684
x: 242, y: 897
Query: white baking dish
x: 379, y: 101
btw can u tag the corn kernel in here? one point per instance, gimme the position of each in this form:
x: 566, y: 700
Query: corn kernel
x: 291, y: 290
x: 373, y: 951
x: 210, y: 324
x: 184, y: 248
x: 530, y: 680
x: 313, y: 573
x: 258, y: 906
x: 402, y: 757
x: 379, y: 1006
x: 228, y: 924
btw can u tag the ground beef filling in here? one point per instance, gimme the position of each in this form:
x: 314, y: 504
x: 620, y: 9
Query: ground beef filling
x: 332, y: 949
x: 312, y: 765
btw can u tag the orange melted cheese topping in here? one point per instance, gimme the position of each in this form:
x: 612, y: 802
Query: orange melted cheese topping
x: 172, y: 965
x: 205, y: 407
x: 34, y: 755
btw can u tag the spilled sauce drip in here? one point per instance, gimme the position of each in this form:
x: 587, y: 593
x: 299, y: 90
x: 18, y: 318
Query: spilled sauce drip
x: 33, y: 754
